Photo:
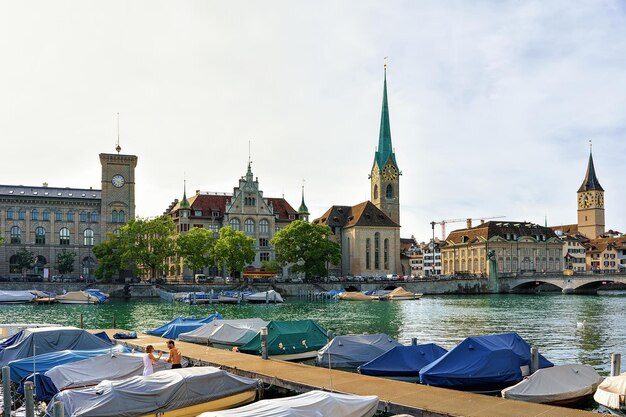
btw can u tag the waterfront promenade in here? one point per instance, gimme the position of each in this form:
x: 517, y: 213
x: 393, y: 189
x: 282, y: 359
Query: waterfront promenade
x: 395, y: 396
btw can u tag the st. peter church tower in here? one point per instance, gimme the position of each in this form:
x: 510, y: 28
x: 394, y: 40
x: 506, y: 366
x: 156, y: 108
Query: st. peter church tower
x: 591, y: 204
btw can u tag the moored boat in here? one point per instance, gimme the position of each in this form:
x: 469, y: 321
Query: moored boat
x: 270, y: 296
x: 225, y: 333
x: 558, y: 385
x: 611, y: 393
x: 403, y: 363
x: 16, y: 297
x: 401, y: 294
x: 77, y: 297
x: 352, y: 351
x: 174, y: 328
x: 356, y: 296
x: 289, y: 340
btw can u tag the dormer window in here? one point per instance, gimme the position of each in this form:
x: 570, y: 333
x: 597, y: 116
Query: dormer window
x: 197, y: 213
x: 215, y: 213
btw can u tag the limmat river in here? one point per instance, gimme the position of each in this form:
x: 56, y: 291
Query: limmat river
x: 548, y: 321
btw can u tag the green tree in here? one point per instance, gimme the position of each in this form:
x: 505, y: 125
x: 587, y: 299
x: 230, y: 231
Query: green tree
x: 271, y: 266
x: 109, y: 255
x: 148, y: 243
x: 307, y: 247
x: 234, y: 249
x: 65, y: 261
x: 25, y: 259
x: 1, y: 240
x: 196, y: 248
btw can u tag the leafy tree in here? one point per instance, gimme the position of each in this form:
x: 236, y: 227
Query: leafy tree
x: 271, y: 266
x: 196, y: 248
x: 65, y: 261
x: 234, y: 249
x: 109, y: 255
x: 25, y: 259
x: 307, y: 247
x: 148, y: 242
x: 1, y: 240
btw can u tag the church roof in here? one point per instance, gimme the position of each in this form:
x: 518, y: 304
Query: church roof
x: 363, y: 214
x: 385, y: 149
x: 590, y: 183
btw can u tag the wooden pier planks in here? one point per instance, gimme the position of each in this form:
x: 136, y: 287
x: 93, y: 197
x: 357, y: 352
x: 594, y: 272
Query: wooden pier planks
x: 396, y: 396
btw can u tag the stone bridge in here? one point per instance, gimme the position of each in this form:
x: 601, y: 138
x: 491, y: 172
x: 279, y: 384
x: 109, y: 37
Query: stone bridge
x: 578, y: 283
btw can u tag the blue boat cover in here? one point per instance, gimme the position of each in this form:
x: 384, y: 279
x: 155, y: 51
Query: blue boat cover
x: 102, y: 297
x: 159, y: 331
x: 353, y: 351
x: 37, y: 341
x: 21, y: 368
x: 482, y: 362
x: 403, y: 360
x: 104, y: 336
x: 125, y: 335
x: 44, y: 387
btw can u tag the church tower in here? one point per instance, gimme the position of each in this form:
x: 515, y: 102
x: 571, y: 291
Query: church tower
x: 118, y: 190
x: 591, y: 204
x: 385, y: 175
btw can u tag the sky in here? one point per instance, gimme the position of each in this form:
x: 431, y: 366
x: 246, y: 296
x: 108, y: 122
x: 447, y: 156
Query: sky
x: 492, y: 103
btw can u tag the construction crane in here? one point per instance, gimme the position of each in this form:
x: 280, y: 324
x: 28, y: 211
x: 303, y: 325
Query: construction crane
x: 468, y: 222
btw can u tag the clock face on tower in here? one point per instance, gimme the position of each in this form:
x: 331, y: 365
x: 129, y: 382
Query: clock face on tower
x: 117, y: 181
x: 390, y: 173
x: 585, y: 200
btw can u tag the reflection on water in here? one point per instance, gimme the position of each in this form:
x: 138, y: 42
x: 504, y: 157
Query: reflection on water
x: 546, y: 320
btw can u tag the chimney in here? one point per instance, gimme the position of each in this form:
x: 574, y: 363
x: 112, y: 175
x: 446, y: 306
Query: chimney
x: 469, y: 223
x: 45, y: 184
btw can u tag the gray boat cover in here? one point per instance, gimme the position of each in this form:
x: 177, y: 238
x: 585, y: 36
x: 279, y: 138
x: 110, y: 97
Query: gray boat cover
x: 557, y: 383
x: 50, y: 339
x: 16, y: 296
x: 612, y: 392
x: 226, y: 332
x: 354, y: 351
x: 159, y: 392
x: 310, y: 404
x: 93, y: 370
x: 260, y: 297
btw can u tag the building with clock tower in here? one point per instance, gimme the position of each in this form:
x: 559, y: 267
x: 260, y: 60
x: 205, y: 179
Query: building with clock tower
x: 591, y: 204
x: 118, y: 190
x: 385, y: 175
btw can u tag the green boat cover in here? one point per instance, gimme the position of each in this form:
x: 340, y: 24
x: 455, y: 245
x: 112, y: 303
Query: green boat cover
x: 288, y: 338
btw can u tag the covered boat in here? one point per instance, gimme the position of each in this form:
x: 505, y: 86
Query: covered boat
x: 289, y: 340
x: 353, y: 351
x: 14, y: 297
x: 312, y: 403
x: 401, y: 294
x: 270, y: 296
x: 611, y: 392
x: 225, y: 333
x: 77, y: 297
x: 482, y: 364
x: 179, y: 325
x: 560, y: 384
x: 49, y: 339
x: 357, y: 296
x: 177, y: 392
x: 403, y: 362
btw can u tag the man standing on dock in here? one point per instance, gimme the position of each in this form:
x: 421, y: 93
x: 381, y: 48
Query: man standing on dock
x: 175, y: 355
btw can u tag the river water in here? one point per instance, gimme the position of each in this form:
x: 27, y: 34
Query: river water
x: 548, y: 321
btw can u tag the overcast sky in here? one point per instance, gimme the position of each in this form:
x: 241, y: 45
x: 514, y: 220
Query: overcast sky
x: 492, y: 103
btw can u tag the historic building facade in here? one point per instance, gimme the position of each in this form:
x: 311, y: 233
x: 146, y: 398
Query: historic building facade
x: 244, y: 209
x: 519, y: 247
x: 591, y: 204
x: 45, y: 220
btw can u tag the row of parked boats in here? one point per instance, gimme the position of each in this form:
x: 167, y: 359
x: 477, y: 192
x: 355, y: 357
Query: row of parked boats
x: 228, y: 297
x: 91, y: 376
x: 90, y: 296
x: 498, y: 363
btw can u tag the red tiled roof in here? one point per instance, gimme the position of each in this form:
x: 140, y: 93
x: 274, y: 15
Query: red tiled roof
x: 281, y: 207
x: 209, y: 203
x: 363, y: 214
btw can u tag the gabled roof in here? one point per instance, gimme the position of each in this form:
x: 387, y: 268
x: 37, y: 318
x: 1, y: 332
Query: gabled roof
x: 363, y: 214
x: 590, y: 183
x: 602, y: 244
x: 504, y: 230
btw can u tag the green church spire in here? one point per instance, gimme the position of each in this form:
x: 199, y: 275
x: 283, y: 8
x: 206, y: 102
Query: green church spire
x: 385, y: 149
x: 185, y: 203
x: 303, y: 208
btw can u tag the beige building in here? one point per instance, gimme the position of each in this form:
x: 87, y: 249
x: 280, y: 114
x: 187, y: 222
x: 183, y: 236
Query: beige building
x: 606, y: 255
x: 519, y: 247
x: 45, y: 220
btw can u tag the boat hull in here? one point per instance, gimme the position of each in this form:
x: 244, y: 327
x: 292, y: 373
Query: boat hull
x: 215, y: 405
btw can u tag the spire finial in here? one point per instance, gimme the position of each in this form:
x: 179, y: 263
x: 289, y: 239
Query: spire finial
x: 590, y: 146
x: 385, y: 64
x: 118, y: 148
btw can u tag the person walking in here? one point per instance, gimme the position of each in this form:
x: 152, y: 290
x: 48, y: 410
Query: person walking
x: 149, y: 360
x: 175, y: 355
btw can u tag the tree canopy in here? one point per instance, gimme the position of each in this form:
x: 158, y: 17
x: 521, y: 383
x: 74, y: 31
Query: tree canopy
x: 307, y: 247
x: 196, y: 248
x: 24, y: 259
x: 234, y: 249
x: 109, y: 255
x: 148, y: 243
x: 65, y: 261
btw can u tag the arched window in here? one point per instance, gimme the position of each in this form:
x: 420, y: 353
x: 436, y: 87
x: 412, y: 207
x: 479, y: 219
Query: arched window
x: 34, y: 214
x: 377, y: 251
x: 117, y: 232
x: 87, y: 265
x: 389, y: 191
x: 88, y: 237
x: 114, y: 217
x: 9, y: 214
x: 58, y: 216
x: 70, y: 216
x: 16, y: 234
x: 122, y: 216
x: 235, y: 224
x: 40, y: 236
x: 368, y: 248
x: 375, y: 191
x: 83, y: 216
x: 40, y: 262
x: 248, y: 227
x: 386, y: 253
x: 46, y: 215
x: 14, y: 268
x: 64, y: 236
x: 94, y: 216
x: 21, y: 214
x: 264, y: 226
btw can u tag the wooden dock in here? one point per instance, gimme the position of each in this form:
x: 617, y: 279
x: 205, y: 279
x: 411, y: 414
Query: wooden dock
x: 395, y: 396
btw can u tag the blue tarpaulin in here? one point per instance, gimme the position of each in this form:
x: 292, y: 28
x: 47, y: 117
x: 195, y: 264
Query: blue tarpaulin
x: 160, y: 331
x: 125, y: 335
x: 44, y: 388
x: 354, y: 350
x: 403, y: 361
x: 482, y: 363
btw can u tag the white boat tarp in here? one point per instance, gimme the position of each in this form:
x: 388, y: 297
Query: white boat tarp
x: 16, y: 296
x: 354, y: 351
x: 310, y: 404
x: 228, y: 332
x: 159, y: 392
x: 93, y: 370
x: 612, y: 392
x: 554, y: 384
x: 260, y: 297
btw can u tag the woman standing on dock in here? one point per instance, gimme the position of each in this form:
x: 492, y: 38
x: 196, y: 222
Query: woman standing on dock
x: 149, y: 360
